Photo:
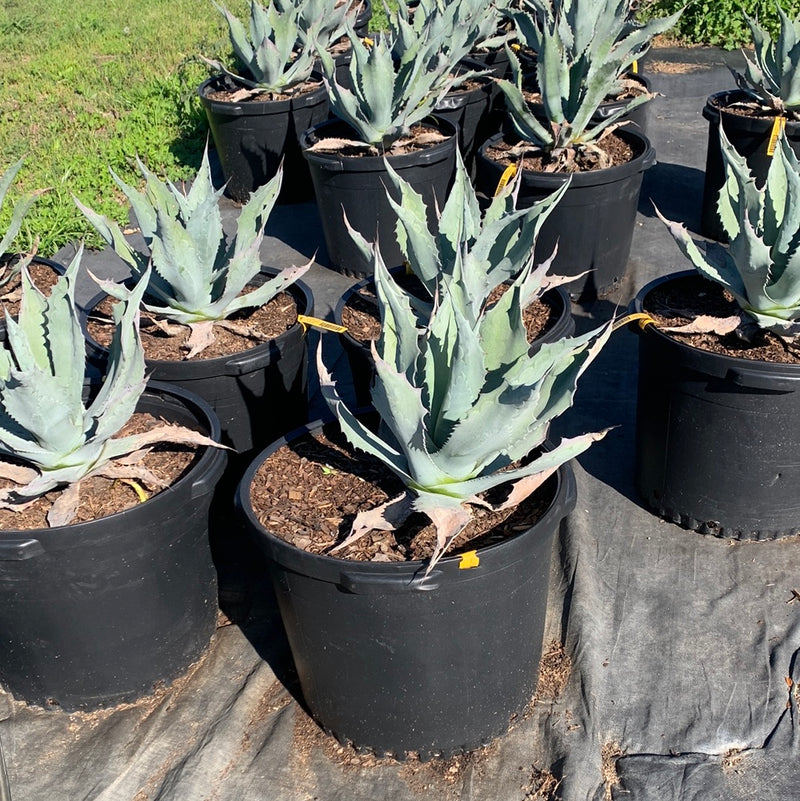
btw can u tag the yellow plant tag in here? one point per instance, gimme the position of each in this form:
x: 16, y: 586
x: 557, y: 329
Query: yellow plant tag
x: 323, y: 325
x: 516, y: 47
x: 777, y: 126
x: 469, y: 560
x: 635, y: 67
x: 508, y: 173
x: 136, y: 487
x: 643, y: 317
x: 368, y: 42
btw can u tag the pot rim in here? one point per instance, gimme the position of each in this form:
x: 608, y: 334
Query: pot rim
x: 331, y: 568
x: 334, y: 162
x: 232, y: 364
x: 712, y: 111
x: 262, y: 107
x: 715, y: 364
x: 605, y: 175
x: 457, y: 99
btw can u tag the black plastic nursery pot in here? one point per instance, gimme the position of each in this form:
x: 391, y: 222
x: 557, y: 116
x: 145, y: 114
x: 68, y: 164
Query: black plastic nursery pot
x: 363, y: 17
x: 98, y: 613
x: 592, y: 224
x: 638, y: 116
x: 499, y: 66
x: 252, y: 138
x: 469, y: 110
x: 356, y: 186
x: 258, y: 394
x: 359, y: 355
x: 717, y: 436
x: 750, y: 137
x: 495, y: 60
x: 395, y: 661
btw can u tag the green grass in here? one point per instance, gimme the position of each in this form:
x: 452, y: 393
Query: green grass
x: 91, y: 85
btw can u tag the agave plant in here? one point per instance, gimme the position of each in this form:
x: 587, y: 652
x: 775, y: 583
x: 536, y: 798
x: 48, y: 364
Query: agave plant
x: 451, y: 29
x: 583, y: 47
x: 18, y: 213
x: 772, y: 76
x: 388, y: 94
x: 761, y: 266
x: 56, y: 437
x: 479, y: 252
x: 278, y: 48
x: 198, y: 278
x: 464, y: 407
x: 493, y: 19
x: 320, y: 19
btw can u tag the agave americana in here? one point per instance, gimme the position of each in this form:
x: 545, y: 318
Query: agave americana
x: 761, y: 266
x: 198, y: 278
x: 464, y: 406
x: 54, y: 435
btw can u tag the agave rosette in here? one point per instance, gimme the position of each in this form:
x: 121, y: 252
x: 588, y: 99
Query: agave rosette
x: 464, y: 406
x: 198, y: 278
x: 54, y: 435
x: 761, y: 265
x: 583, y: 48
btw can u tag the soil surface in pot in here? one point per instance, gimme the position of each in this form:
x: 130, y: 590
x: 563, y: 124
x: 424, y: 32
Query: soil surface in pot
x: 100, y: 497
x: 361, y: 317
x: 307, y: 493
x: 233, y: 92
x: 586, y: 159
x: 43, y: 277
x: 422, y: 136
x: 679, y: 301
x: 262, y: 324
x: 752, y: 109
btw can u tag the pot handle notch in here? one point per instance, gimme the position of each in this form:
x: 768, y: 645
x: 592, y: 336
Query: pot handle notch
x: 754, y: 379
x: 19, y: 550
x: 389, y: 583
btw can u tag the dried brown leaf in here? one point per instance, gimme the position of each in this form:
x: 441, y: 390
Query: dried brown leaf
x: 65, y: 506
x: 17, y: 473
x: 706, y: 324
x: 200, y: 337
x: 386, y: 517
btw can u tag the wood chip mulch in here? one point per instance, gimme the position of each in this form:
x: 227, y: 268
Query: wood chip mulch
x: 270, y: 321
x: 309, y: 492
x: 679, y: 301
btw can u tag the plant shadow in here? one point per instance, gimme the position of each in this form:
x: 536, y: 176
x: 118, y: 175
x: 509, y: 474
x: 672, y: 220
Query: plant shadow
x: 676, y: 191
x: 606, y: 399
x: 245, y: 593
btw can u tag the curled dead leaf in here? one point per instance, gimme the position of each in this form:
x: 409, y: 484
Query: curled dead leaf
x: 706, y: 324
x: 200, y: 337
x: 386, y: 517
